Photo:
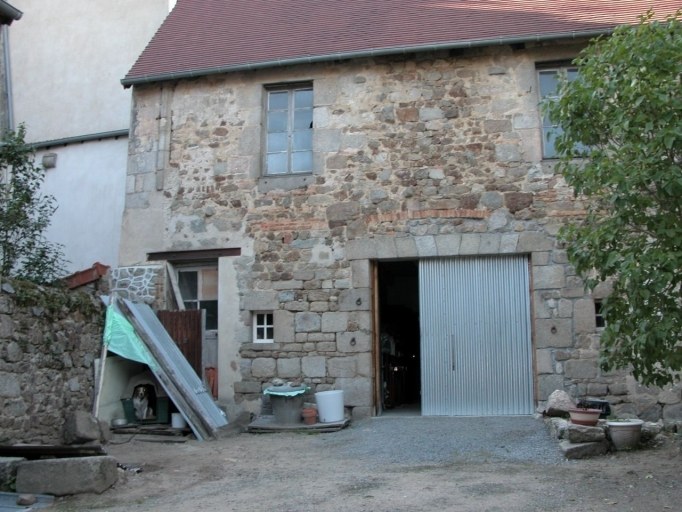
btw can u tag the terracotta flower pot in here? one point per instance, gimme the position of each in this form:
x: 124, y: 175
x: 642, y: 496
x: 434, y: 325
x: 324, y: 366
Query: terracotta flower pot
x: 587, y: 417
x: 309, y: 415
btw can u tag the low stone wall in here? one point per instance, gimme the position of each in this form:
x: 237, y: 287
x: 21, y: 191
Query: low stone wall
x: 49, y: 339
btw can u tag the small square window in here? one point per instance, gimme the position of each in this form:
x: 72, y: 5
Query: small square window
x: 289, y: 130
x: 263, y: 327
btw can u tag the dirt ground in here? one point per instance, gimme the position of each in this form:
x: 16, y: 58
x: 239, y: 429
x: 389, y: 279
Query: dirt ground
x: 295, y: 472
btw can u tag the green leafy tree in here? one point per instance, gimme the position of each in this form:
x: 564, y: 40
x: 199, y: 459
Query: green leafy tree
x: 626, y: 108
x: 25, y: 213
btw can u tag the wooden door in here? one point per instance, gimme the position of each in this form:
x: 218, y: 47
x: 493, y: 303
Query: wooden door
x: 185, y: 327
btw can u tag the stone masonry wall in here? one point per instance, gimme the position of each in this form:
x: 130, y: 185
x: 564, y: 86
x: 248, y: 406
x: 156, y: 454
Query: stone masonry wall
x: 141, y: 283
x: 49, y: 340
x: 429, y: 155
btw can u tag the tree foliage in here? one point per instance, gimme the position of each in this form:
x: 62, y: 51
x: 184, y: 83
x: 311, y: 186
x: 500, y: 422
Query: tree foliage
x: 626, y: 108
x: 25, y: 214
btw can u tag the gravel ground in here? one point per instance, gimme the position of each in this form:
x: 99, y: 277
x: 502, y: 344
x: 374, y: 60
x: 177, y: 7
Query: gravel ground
x: 444, y: 440
x: 388, y: 464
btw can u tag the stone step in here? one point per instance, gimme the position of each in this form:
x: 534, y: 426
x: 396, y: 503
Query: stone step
x: 583, y: 450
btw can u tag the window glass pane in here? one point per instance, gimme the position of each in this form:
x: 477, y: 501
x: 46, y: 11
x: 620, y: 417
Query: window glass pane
x: 268, y: 318
x: 277, y: 163
x: 277, y: 122
x: 209, y: 284
x: 277, y: 142
x: 303, y: 140
x: 571, y: 74
x: 211, y: 307
x: 302, y: 161
x: 303, y: 119
x: 187, y: 281
x: 303, y: 98
x: 546, y: 121
x: 278, y: 100
x: 270, y: 333
x: 548, y: 83
x: 548, y: 136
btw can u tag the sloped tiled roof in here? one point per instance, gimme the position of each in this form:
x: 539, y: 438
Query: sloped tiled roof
x: 202, y: 37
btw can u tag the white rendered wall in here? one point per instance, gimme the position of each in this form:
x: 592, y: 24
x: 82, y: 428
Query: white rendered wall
x: 90, y: 194
x: 67, y: 60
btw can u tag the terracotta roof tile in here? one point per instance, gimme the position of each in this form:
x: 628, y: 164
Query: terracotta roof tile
x: 207, y: 36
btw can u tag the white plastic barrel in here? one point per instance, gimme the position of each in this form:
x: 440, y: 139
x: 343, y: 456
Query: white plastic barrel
x: 330, y: 405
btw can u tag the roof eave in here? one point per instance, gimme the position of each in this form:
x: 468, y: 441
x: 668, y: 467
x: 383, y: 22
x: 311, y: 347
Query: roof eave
x: 9, y: 13
x: 476, y: 43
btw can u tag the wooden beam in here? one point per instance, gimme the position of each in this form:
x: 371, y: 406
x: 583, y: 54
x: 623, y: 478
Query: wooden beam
x: 193, y: 256
x: 36, y: 451
x: 175, y: 286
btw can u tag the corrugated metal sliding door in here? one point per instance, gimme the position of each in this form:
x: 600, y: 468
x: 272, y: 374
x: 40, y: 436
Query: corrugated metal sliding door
x: 476, y: 355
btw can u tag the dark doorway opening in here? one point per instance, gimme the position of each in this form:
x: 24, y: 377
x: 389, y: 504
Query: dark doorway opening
x: 399, y: 343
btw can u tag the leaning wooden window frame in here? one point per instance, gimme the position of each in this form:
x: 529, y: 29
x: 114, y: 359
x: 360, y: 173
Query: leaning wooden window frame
x: 263, y: 327
x: 198, y: 286
x: 288, y: 133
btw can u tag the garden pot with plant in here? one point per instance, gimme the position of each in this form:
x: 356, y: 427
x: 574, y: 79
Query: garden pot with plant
x: 584, y: 416
x: 624, y: 433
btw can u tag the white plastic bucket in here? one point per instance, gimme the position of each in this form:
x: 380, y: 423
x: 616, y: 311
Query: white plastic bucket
x: 330, y: 405
x: 177, y: 421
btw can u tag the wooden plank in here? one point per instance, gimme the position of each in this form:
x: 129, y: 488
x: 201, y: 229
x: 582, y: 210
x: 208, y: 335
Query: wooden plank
x: 185, y: 328
x: 36, y: 451
x: 179, y: 303
x: 193, y: 256
x: 267, y: 424
x: 151, y: 430
x: 100, y: 379
x: 376, y: 340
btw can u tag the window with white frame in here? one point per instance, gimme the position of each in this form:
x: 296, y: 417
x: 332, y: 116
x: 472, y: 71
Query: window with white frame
x: 199, y: 290
x: 549, y: 79
x: 289, y: 129
x: 263, y: 327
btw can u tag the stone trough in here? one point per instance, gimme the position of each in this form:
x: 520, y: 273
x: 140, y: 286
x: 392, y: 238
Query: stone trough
x: 81, y: 466
x: 62, y: 477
